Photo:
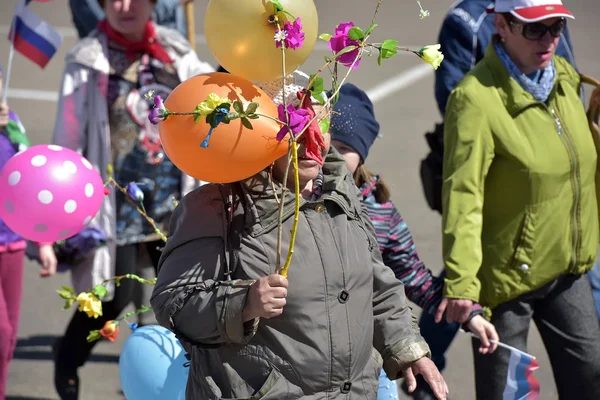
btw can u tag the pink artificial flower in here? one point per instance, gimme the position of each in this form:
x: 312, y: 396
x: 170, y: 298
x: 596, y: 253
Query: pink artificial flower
x: 297, y: 120
x: 291, y: 35
x: 340, y: 40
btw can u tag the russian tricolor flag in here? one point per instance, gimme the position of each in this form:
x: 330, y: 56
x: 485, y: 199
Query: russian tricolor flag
x: 521, y: 384
x: 33, y: 37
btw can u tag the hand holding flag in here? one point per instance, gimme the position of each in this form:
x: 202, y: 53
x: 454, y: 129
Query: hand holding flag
x: 521, y: 384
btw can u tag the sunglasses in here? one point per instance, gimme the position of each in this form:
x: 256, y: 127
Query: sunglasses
x: 537, y: 30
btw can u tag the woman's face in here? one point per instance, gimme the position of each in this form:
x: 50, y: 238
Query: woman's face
x: 129, y: 17
x: 307, y: 169
x: 529, y: 55
x: 350, y: 155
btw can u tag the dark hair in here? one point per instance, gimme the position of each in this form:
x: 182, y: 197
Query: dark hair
x: 362, y: 175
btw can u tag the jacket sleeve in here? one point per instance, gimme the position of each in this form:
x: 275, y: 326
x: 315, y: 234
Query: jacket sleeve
x: 70, y: 128
x: 468, y: 154
x: 192, y: 296
x: 400, y: 254
x: 457, y: 43
x: 396, y: 333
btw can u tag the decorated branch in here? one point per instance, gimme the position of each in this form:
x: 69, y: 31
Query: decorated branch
x: 226, y: 127
x: 289, y: 35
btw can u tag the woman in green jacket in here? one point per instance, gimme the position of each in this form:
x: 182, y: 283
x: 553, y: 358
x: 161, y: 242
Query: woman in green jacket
x: 520, y: 220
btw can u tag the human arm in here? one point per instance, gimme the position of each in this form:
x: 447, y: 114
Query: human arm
x: 457, y: 43
x: 70, y: 128
x: 192, y: 295
x: 400, y: 254
x: 468, y: 154
x: 47, y: 259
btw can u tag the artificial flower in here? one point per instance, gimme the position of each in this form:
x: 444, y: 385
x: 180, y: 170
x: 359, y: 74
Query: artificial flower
x: 312, y: 138
x: 135, y: 193
x: 159, y: 112
x: 340, y: 41
x: 432, y: 55
x: 297, y: 120
x: 89, y: 304
x: 110, y: 330
x: 422, y: 12
x: 210, y: 104
x: 291, y: 35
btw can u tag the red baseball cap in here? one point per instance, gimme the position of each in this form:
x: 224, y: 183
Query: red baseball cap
x: 532, y: 10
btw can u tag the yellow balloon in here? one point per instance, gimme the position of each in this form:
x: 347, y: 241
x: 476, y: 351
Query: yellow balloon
x: 241, y: 36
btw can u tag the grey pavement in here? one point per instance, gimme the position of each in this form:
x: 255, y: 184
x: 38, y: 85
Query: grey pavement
x: 402, y: 90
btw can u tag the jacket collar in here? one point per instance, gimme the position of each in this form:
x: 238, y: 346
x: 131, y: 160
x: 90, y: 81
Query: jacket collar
x: 338, y: 187
x: 514, y: 97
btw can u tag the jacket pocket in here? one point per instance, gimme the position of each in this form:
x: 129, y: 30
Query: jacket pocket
x: 523, y: 248
x: 276, y: 387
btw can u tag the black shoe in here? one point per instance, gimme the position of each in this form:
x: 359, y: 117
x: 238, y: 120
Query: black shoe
x: 66, y: 381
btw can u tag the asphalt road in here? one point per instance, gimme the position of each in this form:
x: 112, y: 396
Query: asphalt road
x: 402, y: 90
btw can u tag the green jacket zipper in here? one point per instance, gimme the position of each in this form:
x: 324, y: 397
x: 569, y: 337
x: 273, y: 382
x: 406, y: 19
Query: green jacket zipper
x: 576, y: 186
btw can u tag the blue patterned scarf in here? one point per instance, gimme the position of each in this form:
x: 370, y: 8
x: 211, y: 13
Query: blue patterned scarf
x: 539, y: 89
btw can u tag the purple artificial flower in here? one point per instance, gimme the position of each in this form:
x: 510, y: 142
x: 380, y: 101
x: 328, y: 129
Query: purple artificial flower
x: 340, y: 40
x: 291, y: 35
x: 159, y: 112
x: 135, y: 193
x: 297, y: 120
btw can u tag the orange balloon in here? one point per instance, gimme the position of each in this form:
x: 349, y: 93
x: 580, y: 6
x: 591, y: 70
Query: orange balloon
x: 234, y: 152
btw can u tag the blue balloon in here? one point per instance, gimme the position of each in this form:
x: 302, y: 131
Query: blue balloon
x: 152, y: 365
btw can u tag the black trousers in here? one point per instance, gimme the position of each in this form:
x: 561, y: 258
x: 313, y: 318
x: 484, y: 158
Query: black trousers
x: 73, y: 350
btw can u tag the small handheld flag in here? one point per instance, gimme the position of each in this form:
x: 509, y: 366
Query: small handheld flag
x: 33, y: 37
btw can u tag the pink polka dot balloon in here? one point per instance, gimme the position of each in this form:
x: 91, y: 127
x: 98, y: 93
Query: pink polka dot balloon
x: 49, y: 193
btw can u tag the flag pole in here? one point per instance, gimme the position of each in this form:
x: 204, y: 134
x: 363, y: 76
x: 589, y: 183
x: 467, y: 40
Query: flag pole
x: 11, y: 55
x: 500, y: 344
x: 189, y: 21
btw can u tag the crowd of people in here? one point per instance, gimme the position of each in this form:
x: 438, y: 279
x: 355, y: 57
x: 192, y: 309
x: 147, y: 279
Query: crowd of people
x: 512, y: 164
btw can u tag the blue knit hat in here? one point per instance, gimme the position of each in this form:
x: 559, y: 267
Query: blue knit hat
x: 353, y: 120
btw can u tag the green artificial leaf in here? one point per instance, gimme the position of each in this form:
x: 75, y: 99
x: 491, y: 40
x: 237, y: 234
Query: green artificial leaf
x: 368, y: 32
x: 325, y: 36
x: 345, y: 50
x: 100, y: 291
x: 238, y: 107
x: 388, y: 48
x: 277, y: 5
x: 319, y: 97
x: 93, y: 336
x: 210, y: 119
x: 252, y: 107
x: 247, y: 123
x: 68, y: 303
x: 68, y: 289
x: 318, y: 84
x: 324, y: 125
x: 253, y: 116
x: 355, y: 33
